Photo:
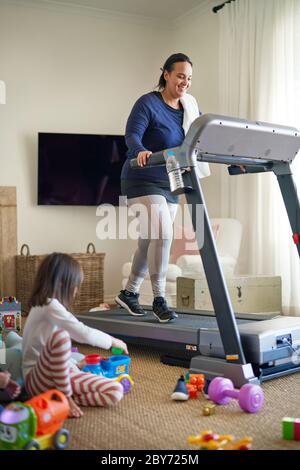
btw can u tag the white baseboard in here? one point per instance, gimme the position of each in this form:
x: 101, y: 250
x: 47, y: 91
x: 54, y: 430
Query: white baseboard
x: 109, y: 298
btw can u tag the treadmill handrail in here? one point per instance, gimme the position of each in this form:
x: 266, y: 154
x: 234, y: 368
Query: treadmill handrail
x: 159, y: 159
x: 155, y: 159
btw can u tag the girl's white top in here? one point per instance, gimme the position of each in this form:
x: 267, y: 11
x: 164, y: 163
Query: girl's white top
x: 43, y: 321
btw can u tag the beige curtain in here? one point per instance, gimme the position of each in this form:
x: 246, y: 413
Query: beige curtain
x: 259, y: 80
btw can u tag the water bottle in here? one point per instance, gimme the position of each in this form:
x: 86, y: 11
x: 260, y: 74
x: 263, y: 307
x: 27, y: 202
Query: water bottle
x: 174, y: 173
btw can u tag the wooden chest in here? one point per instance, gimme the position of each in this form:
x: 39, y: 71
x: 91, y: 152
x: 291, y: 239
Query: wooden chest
x: 249, y: 294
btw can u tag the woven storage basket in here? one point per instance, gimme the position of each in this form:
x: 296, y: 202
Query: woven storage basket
x: 91, y: 292
x: 26, y: 268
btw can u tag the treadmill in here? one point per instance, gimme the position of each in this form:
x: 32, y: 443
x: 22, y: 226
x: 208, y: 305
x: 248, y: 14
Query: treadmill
x: 240, y: 347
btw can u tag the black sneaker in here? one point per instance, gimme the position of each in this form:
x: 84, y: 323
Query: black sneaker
x: 161, y: 310
x: 130, y: 301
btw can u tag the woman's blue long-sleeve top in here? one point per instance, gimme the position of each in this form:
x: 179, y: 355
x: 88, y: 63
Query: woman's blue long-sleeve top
x: 152, y: 125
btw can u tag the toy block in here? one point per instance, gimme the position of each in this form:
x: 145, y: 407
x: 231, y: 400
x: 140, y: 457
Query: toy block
x: 209, y: 409
x: 198, y: 380
x: 297, y: 429
x: 10, y: 314
x: 192, y: 389
x: 288, y: 428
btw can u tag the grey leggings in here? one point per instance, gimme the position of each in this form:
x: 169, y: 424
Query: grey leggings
x: 156, y: 217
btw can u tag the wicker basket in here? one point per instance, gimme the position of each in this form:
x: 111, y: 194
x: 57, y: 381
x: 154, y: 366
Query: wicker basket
x: 91, y: 292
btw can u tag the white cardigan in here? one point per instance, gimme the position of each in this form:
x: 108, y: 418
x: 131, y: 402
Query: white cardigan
x: 190, y: 113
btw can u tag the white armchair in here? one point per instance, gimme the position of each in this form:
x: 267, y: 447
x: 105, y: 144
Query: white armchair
x: 228, y: 236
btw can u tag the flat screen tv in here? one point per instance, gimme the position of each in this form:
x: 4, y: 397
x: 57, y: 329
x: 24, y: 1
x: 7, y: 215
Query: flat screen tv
x: 79, y: 169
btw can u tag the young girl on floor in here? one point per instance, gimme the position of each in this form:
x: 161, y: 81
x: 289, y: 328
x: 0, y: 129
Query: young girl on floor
x: 48, y: 332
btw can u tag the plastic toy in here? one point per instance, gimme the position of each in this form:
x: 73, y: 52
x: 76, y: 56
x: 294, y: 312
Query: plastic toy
x: 195, y: 384
x: 188, y: 387
x: 207, y: 440
x: 35, y: 424
x: 117, y: 351
x: 291, y: 429
x: 198, y: 380
x: 209, y: 409
x: 250, y: 397
x: 192, y: 390
x: 181, y: 392
x: 114, y: 367
x: 93, y: 364
x: 10, y: 314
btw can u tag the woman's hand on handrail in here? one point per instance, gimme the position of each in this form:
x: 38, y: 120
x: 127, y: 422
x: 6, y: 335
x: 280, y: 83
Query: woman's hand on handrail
x: 143, y: 157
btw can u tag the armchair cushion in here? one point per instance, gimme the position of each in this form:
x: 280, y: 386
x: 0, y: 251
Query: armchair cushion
x: 187, y: 243
x: 192, y: 264
x: 228, y: 236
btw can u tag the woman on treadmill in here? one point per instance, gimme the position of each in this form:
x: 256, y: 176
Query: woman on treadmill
x: 159, y: 120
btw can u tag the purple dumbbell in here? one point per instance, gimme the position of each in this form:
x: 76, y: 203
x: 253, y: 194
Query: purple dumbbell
x: 250, y: 397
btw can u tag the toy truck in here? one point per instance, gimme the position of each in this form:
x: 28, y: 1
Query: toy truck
x: 35, y: 424
x: 10, y: 315
x: 114, y: 367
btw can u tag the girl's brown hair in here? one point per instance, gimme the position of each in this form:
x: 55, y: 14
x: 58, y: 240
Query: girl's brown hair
x: 57, y: 277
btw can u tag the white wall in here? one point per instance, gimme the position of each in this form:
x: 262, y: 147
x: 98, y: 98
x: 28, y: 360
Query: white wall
x: 71, y: 72
x: 197, y: 36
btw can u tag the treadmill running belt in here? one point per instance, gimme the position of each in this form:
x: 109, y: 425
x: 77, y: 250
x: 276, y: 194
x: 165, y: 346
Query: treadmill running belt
x: 183, y: 332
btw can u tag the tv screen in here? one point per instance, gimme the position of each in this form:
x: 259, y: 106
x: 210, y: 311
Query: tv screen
x: 79, y: 169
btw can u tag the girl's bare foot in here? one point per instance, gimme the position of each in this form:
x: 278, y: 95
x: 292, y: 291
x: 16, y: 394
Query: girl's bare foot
x: 13, y: 389
x: 4, y: 379
x: 75, y: 411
